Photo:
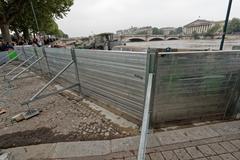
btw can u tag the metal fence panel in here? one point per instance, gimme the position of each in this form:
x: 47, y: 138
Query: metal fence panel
x: 113, y: 77
x: 3, y: 57
x: 117, y: 78
x: 194, y: 85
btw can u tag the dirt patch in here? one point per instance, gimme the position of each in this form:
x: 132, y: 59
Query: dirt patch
x: 63, y: 118
x: 45, y: 135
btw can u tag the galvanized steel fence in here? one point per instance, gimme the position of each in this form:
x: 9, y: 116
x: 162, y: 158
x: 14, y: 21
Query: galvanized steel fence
x: 187, y: 85
x: 111, y: 77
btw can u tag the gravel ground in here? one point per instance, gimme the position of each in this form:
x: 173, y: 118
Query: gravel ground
x: 63, y: 118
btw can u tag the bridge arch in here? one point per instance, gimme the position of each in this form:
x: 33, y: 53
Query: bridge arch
x: 135, y: 39
x: 156, y: 39
x: 172, y: 38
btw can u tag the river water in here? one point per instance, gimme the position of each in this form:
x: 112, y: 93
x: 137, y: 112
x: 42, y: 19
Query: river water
x: 187, y: 44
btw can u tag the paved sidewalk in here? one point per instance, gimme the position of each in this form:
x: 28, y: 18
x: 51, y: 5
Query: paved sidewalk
x: 211, y: 142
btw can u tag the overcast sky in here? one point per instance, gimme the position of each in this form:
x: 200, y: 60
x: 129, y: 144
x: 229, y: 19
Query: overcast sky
x: 95, y: 16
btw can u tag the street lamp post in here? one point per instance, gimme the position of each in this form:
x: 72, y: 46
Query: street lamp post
x: 34, y: 14
x: 226, y: 24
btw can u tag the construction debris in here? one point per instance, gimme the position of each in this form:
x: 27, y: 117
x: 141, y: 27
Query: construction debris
x: 31, y: 113
x: 26, y: 115
x: 17, y: 118
x: 2, y: 111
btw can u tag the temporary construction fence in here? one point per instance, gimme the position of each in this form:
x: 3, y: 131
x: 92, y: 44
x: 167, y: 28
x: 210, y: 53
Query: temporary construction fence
x: 5, y: 56
x: 114, y: 78
x: 195, y: 85
x: 150, y: 87
x: 186, y: 85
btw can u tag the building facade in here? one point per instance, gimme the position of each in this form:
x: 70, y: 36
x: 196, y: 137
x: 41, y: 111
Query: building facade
x: 168, y: 30
x: 200, y: 26
x: 135, y: 30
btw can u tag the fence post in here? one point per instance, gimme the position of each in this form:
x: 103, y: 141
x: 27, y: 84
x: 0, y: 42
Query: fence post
x: 74, y: 58
x: 151, y: 62
x: 45, y: 56
x: 25, y: 56
x: 37, y: 55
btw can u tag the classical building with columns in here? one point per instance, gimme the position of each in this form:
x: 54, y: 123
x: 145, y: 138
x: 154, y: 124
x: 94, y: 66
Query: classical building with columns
x: 200, y: 26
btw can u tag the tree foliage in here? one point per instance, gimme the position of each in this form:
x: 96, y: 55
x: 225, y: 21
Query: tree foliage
x: 234, y: 26
x: 195, y: 35
x: 179, y: 30
x: 22, y: 20
x: 157, y: 31
x: 213, y: 31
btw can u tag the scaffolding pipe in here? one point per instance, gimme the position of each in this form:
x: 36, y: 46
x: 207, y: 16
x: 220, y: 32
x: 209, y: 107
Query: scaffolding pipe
x: 49, y: 94
x: 20, y: 65
x: 46, y: 85
x: 26, y: 68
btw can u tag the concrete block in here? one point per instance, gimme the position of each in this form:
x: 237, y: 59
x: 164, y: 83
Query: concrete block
x: 226, y: 128
x: 171, y: 137
x: 36, y: 151
x: 81, y: 149
x: 132, y: 143
x: 185, y: 135
x: 198, y: 133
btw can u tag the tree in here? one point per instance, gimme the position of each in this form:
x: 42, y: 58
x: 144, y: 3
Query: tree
x: 179, y: 30
x: 157, y: 31
x: 234, y: 26
x: 195, y: 35
x: 213, y: 31
x: 9, y: 10
x: 46, y: 11
x: 172, y: 32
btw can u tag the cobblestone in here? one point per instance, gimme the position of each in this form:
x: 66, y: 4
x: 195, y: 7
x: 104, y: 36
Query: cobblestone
x: 215, y: 158
x: 182, y: 154
x: 217, y: 148
x: 237, y: 154
x: 229, y: 147
x: 169, y: 155
x: 194, y: 152
x: 236, y: 143
x: 206, y: 150
x: 227, y: 156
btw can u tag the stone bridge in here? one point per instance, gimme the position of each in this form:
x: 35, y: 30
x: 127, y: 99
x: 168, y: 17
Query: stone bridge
x: 142, y: 38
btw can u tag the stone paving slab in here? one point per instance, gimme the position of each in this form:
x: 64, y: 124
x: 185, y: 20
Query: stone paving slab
x: 23, y: 153
x: 226, y: 128
x: 185, y: 135
x: 81, y: 149
x: 132, y: 143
